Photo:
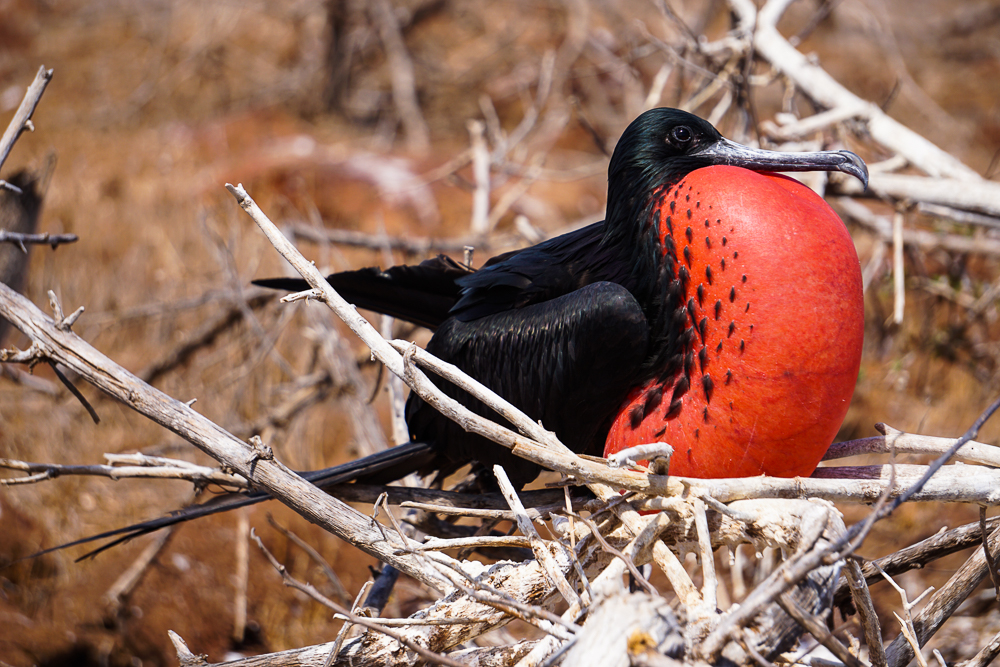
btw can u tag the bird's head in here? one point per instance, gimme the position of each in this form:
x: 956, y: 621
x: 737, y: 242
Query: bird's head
x: 663, y: 145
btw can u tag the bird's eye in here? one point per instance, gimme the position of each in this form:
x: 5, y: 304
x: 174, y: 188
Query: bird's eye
x: 680, y: 135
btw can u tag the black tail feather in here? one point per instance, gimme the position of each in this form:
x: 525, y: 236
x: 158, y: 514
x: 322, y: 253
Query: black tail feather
x: 422, y: 294
x: 388, y: 465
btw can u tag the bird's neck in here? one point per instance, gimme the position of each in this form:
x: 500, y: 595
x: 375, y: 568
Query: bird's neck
x: 636, y: 198
x: 635, y: 232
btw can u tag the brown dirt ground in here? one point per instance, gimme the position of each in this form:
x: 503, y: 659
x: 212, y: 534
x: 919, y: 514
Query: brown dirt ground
x: 155, y: 105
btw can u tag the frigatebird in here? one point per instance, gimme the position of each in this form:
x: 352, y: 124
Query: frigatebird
x: 718, y: 307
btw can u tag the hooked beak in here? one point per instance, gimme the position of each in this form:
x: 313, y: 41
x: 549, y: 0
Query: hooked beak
x: 731, y: 153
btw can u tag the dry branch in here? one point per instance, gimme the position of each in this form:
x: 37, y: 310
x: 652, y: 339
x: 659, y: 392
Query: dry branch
x: 866, y: 610
x: 36, y: 239
x: 308, y: 589
x: 22, y: 117
x: 146, y: 467
x: 256, y: 466
x: 980, y: 196
x: 919, y: 238
x: 619, y: 622
x: 943, y: 603
x: 206, y: 333
x: 823, y: 89
x: 412, y: 245
x: 897, y: 442
x: 404, y: 87
x: 920, y: 554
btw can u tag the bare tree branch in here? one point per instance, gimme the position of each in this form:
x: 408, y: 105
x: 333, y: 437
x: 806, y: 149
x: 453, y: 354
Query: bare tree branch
x: 36, y: 239
x: 22, y: 117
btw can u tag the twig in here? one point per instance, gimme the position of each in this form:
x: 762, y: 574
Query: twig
x: 63, y: 322
x: 630, y: 455
x: 304, y: 392
x: 624, y: 557
x: 798, y: 128
x: 206, y: 333
x: 534, y: 513
x: 538, y: 546
x: 917, y: 237
x: 873, y: 269
x: 438, y: 544
x: 546, y: 71
x: 331, y: 576
x: 977, y: 196
x: 991, y: 563
x: 21, y: 240
x: 408, y: 244
x: 906, y: 631
x: 170, y: 309
x: 958, y: 215
x: 31, y: 356
x: 752, y: 650
x: 345, y: 630
x: 818, y: 630
x: 290, y: 581
x: 710, y: 583
x: 335, y: 356
x: 404, y: 86
x: 22, y: 117
x: 165, y: 469
x: 921, y: 553
x: 509, y: 198
x: 943, y: 603
x: 866, y: 610
x: 986, y: 654
x: 910, y: 443
x: 115, y: 596
x: 481, y: 177
x: 407, y: 622
x: 241, y: 575
x: 184, y: 655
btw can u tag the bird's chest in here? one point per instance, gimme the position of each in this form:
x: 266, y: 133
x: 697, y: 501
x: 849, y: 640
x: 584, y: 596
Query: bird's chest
x: 770, y: 324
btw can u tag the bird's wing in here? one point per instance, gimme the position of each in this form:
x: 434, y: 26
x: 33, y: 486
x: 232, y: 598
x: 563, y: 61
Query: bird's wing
x: 568, y: 361
x: 430, y: 292
x: 548, y: 270
x: 422, y: 294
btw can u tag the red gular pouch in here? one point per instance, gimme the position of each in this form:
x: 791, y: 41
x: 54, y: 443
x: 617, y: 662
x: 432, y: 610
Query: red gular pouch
x: 775, y: 300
